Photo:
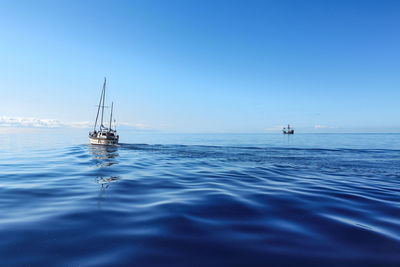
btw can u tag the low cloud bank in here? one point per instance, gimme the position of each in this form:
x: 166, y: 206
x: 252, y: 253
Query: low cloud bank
x: 325, y: 127
x: 30, y: 122
x: 138, y: 126
x: 274, y: 128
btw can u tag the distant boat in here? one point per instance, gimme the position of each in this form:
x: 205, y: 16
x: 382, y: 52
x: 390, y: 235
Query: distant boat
x: 104, y: 136
x: 288, y: 130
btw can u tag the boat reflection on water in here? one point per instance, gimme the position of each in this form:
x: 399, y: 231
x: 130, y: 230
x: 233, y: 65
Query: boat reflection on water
x: 105, y: 157
x: 105, y: 184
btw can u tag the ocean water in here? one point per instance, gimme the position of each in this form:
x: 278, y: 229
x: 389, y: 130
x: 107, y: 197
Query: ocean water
x: 200, y: 200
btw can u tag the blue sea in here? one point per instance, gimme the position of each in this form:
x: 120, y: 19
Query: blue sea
x: 200, y: 200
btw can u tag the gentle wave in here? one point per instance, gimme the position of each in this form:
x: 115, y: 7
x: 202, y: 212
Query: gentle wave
x: 203, y: 205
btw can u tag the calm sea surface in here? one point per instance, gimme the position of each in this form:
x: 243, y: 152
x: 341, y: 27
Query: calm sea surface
x: 200, y: 200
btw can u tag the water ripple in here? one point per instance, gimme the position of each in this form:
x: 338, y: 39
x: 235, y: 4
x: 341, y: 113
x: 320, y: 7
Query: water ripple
x: 88, y: 205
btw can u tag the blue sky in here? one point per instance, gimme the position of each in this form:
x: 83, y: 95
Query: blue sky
x: 203, y: 66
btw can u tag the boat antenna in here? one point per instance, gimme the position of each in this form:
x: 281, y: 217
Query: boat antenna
x: 104, y: 96
x: 98, y: 109
x: 112, y: 103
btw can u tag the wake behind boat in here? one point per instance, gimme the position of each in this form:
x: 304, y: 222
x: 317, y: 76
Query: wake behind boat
x: 104, y: 136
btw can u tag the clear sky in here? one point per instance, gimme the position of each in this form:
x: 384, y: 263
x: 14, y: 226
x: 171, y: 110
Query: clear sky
x: 204, y: 66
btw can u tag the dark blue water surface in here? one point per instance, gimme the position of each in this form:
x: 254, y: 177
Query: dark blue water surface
x: 200, y: 200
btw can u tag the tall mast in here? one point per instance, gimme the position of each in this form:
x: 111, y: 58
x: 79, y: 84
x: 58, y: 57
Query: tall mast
x: 112, y: 103
x: 104, y: 96
x: 98, y: 109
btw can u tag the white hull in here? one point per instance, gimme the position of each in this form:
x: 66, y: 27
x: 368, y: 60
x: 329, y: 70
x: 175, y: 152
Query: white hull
x: 100, y: 141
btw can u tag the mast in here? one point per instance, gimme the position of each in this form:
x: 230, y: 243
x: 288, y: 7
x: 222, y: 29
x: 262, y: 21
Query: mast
x: 98, y: 109
x: 112, y: 103
x: 104, y: 96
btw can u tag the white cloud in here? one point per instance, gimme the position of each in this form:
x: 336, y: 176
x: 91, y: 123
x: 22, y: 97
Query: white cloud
x: 274, y: 128
x: 30, y: 122
x: 140, y: 126
x: 79, y: 124
x: 325, y: 127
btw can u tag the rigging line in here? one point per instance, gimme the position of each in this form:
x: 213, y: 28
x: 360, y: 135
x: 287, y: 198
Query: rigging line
x: 112, y: 103
x: 98, y: 110
x: 104, y: 95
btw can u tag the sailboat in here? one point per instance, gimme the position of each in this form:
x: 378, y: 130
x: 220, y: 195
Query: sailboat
x: 288, y: 130
x: 104, y: 136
